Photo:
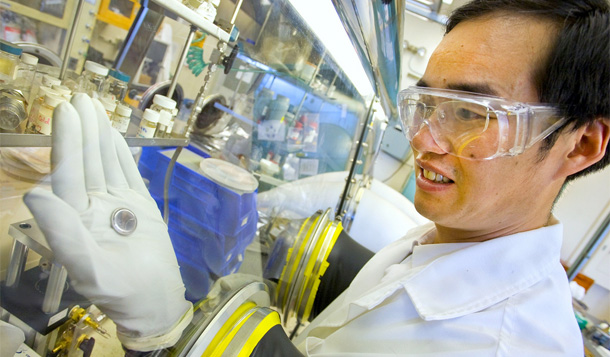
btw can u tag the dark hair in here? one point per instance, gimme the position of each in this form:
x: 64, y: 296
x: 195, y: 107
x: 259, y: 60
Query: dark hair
x: 576, y: 75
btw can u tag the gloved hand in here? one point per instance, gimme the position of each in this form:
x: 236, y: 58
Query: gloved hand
x: 11, y: 338
x: 134, y: 279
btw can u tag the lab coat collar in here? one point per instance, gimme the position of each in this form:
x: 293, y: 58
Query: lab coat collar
x: 483, y: 273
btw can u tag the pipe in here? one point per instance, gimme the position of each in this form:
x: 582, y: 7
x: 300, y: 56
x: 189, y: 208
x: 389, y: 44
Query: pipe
x: 172, y: 86
x: 66, y: 59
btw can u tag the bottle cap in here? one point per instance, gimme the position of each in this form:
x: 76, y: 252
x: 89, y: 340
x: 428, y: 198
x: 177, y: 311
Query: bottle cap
x: 49, y: 81
x: 29, y: 59
x: 165, y: 117
x: 96, y: 68
x: 47, y: 90
x: 10, y: 48
x: 119, y: 75
x: 164, y: 102
x: 151, y: 116
x: 123, y: 110
x: 53, y: 100
x: 109, y: 105
x: 63, y: 90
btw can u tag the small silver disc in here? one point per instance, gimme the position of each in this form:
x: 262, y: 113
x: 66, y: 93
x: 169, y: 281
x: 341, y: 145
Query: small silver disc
x: 123, y: 221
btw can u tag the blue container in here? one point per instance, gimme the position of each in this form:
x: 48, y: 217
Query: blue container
x: 210, y: 226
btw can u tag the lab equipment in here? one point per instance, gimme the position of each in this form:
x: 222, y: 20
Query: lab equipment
x: 63, y: 91
x: 115, y: 86
x: 109, y: 106
x: 40, y: 120
x: 121, y: 118
x: 13, y: 110
x: 25, y: 72
x: 164, y: 121
x: 9, y: 60
x: 148, y: 125
x: 475, y: 126
x: 92, y: 79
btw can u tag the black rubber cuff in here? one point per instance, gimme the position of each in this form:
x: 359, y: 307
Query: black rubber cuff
x: 345, y: 261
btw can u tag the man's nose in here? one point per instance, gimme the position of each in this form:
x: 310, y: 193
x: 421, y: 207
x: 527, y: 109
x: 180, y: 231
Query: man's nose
x: 423, y: 141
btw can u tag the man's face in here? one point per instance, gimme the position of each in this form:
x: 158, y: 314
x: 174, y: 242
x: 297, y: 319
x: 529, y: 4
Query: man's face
x: 485, y: 199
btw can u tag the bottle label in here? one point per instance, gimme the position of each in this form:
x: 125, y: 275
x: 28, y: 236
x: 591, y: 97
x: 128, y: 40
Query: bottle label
x: 146, y: 132
x: 41, y: 124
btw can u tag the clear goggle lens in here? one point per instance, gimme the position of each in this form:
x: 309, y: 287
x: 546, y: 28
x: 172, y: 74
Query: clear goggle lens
x: 463, y: 129
x: 474, y: 126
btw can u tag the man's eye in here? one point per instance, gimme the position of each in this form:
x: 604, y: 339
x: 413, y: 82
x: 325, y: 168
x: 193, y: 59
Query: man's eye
x: 469, y: 113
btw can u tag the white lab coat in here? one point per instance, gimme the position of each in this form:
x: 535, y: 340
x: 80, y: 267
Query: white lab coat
x: 508, y: 296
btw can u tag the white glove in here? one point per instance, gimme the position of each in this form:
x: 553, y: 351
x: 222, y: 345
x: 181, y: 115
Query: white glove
x: 134, y: 279
x: 11, y: 338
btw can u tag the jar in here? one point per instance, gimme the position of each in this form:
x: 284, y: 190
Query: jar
x: 164, y: 119
x: 13, y: 111
x: 121, y: 118
x: 161, y: 102
x: 42, y: 91
x: 92, y: 79
x: 26, y: 71
x: 109, y: 106
x: 63, y: 91
x: 40, y: 121
x: 148, y: 124
x: 9, y: 60
x: 115, y: 86
x: 170, y: 127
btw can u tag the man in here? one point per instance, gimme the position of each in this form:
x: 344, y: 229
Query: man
x: 484, y: 279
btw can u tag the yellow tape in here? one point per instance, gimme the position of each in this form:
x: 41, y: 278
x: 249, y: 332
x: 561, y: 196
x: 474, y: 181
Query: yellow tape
x: 229, y: 329
x: 263, y: 327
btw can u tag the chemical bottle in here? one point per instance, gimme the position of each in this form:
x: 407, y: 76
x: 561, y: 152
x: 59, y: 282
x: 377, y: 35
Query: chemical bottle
x: 115, y: 86
x: 170, y: 127
x: 164, y: 119
x: 26, y: 71
x: 121, y: 118
x: 148, y: 124
x: 35, y: 105
x: 92, y: 79
x: 9, y: 60
x: 161, y: 102
x: 109, y: 106
x: 40, y: 121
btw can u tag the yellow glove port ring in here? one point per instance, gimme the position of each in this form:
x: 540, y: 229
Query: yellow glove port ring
x: 235, y: 322
x: 306, y: 262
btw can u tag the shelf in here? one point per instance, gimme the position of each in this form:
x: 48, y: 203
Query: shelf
x: 178, y: 8
x: 33, y: 140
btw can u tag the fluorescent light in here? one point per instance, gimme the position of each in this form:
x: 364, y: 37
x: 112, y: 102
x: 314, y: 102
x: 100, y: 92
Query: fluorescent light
x: 322, y: 18
x: 448, y: 2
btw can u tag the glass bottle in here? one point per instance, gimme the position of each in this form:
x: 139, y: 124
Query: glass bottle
x: 92, y: 79
x: 39, y: 122
x: 42, y: 91
x: 115, y: 86
x: 164, y: 120
x: 9, y: 59
x: 121, y: 118
x: 26, y: 71
x: 170, y: 127
x: 148, y: 124
x: 109, y: 106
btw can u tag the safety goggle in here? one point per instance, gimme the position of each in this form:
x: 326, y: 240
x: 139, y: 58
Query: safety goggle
x: 475, y: 126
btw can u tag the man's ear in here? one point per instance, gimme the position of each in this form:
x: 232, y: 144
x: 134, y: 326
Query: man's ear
x: 589, y: 145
